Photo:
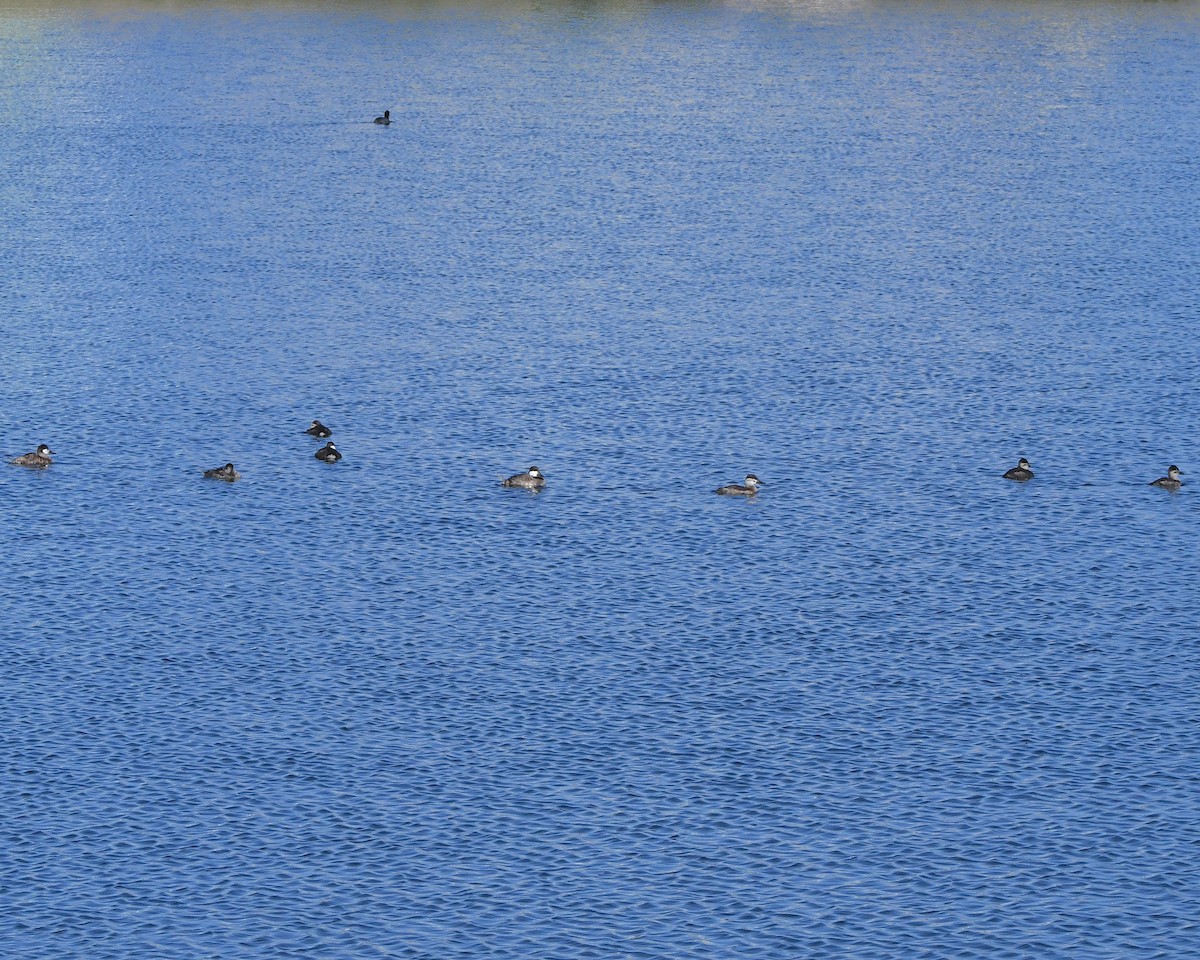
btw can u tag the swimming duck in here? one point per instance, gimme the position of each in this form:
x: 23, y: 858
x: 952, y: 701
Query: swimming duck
x: 328, y: 453
x: 385, y: 119
x: 38, y: 459
x: 1170, y: 482
x: 319, y: 430
x: 747, y: 489
x: 1020, y: 472
x: 223, y: 473
x: 531, y: 479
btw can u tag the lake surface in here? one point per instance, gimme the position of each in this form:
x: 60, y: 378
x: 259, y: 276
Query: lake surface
x: 894, y: 707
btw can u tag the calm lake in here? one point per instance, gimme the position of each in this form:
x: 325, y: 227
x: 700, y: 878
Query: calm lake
x: 873, y: 252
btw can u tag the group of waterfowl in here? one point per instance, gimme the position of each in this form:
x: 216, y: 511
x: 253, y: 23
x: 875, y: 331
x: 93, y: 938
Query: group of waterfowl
x: 327, y: 454
x: 43, y: 456
x: 533, y: 479
x: 1022, y: 472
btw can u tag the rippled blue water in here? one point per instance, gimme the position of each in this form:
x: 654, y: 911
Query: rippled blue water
x: 894, y: 707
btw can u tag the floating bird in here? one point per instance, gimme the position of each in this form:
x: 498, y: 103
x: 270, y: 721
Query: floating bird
x: 1020, y: 472
x: 385, y: 119
x: 328, y: 453
x: 531, y: 479
x: 319, y: 430
x: 38, y: 459
x: 1170, y: 482
x: 223, y: 473
x: 747, y: 489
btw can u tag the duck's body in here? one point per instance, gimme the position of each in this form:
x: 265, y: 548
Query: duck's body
x: 40, y: 458
x: 227, y: 473
x: 319, y: 430
x: 531, y: 479
x: 747, y: 489
x: 1171, y: 481
x: 328, y: 453
x: 1020, y: 472
x: 385, y: 119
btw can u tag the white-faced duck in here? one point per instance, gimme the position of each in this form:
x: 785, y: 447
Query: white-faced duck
x: 1171, y: 481
x: 38, y: 459
x: 328, y: 453
x: 1020, y: 472
x: 747, y: 489
x: 226, y: 473
x: 319, y: 430
x: 531, y: 479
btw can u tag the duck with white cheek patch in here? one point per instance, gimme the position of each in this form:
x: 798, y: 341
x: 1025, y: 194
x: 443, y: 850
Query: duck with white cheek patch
x: 328, y: 453
x: 531, y: 479
x: 1020, y: 472
x: 747, y: 489
x: 226, y: 473
x: 41, y: 457
x: 1171, y: 481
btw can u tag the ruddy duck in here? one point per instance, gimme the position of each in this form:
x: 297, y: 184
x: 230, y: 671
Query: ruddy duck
x: 385, y: 119
x: 1170, y: 482
x: 747, y: 489
x: 223, y: 473
x: 38, y: 459
x: 328, y: 453
x: 531, y: 479
x: 1020, y: 472
x: 319, y: 430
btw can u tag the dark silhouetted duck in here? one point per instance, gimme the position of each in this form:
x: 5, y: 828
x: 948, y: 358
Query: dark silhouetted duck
x: 531, y: 479
x: 1170, y: 482
x: 1020, y: 472
x: 328, y: 453
x: 38, y: 459
x: 385, y: 119
x: 223, y: 473
x: 747, y: 489
x: 319, y: 430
